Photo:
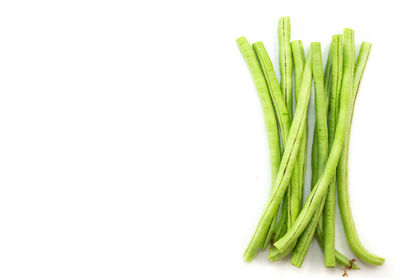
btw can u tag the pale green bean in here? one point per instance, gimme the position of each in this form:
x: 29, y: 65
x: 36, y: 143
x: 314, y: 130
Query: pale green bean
x: 299, y: 60
x: 330, y: 204
x: 343, y: 191
x: 284, y: 124
x: 269, y: 114
x: 298, y: 178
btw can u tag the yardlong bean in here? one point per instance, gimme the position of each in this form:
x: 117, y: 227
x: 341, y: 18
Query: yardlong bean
x: 329, y: 210
x: 290, y: 204
x: 299, y: 61
x: 267, y: 106
x: 342, y: 172
x: 284, y: 124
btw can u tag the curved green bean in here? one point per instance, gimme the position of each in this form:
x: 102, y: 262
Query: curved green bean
x: 299, y: 61
x: 293, y: 191
x: 298, y: 180
x: 299, y: 170
x: 284, y: 124
x: 343, y: 191
x: 267, y: 106
x: 329, y: 210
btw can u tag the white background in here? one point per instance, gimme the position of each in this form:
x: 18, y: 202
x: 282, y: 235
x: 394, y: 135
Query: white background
x: 132, y: 141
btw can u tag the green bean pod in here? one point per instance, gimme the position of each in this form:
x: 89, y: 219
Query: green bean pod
x: 299, y: 61
x: 291, y: 205
x: 291, y: 209
x: 298, y: 177
x: 342, y: 172
x: 293, y: 190
x: 329, y: 210
x: 267, y: 106
x: 284, y: 124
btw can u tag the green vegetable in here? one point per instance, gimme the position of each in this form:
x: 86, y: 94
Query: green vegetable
x: 290, y: 202
x: 284, y: 124
x: 269, y: 115
x: 286, y: 69
x: 343, y: 191
x: 299, y: 61
x: 329, y: 210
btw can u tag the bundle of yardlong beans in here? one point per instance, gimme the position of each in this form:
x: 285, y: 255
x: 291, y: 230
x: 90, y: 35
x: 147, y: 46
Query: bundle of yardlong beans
x: 291, y: 231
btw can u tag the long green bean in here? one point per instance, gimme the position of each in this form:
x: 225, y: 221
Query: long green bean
x: 342, y: 172
x: 286, y: 69
x: 287, y: 164
x: 282, y: 115
x: 279, y: 103
x: 292, y: 194
x: 329, y: 210
x: 299, y: 61
x: 267, y: 106
x: 320, y: 189
x: 297, y: 182
x: 284, y: 124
